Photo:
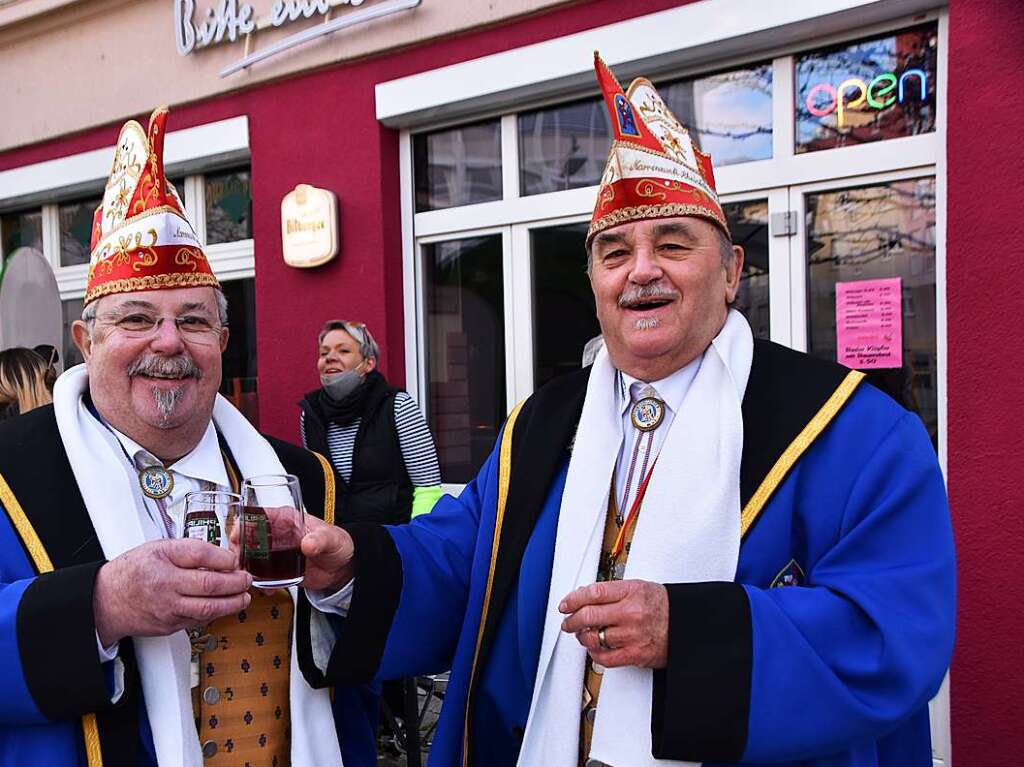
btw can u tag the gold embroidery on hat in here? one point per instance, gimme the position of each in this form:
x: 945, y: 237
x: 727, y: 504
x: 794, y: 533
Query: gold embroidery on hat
x: 189, y: 257
x: 109, y: 236
x: 625, y: 215
x: 146, y: 255
x: 647, y: 188
x: 152, y: 282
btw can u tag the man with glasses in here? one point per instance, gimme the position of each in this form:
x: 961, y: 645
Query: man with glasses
x: 700, y: 549
x: 124, y: 642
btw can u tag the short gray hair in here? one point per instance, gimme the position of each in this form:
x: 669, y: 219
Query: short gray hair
x: 358, y: 330
x: 90, y: 309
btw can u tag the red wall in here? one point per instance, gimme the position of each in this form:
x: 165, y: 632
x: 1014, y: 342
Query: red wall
x: 985, y: 252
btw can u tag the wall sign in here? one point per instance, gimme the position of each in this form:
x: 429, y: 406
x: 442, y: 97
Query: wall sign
x: 869, y: 324
x: 309, y: 226
x: 229, y: 19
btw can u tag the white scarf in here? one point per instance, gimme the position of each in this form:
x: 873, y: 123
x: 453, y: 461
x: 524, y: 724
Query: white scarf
x: 110, y: 489
x: 689, y: 531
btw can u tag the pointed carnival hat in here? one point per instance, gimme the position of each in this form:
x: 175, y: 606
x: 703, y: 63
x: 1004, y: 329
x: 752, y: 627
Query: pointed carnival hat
x: 141, y: 239
x: 654, y: 170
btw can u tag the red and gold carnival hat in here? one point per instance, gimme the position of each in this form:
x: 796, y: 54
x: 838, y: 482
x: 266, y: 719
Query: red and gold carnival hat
x: 653, y: 170
x: 141, y: 239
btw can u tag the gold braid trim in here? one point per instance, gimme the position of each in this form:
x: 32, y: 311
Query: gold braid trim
x: 91, y: 733
x: 797, y: 447
x: 667, y: 210
x: 329, y: 491
x: 504, y: 477
x: 151, y: 282
x: 42, y: 563
x: 26, y: 532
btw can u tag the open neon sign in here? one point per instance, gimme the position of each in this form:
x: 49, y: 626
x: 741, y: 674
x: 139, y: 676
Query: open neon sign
x: 878, y: 94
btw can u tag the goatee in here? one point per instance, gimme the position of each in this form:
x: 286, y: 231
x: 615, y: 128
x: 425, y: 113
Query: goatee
x: 166, y: 401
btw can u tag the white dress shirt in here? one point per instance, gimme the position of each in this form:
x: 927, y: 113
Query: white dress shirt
x: 672, y: 391
x: 201, y: 469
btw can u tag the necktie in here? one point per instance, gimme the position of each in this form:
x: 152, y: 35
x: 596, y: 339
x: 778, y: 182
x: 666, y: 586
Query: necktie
x: 646, y: 417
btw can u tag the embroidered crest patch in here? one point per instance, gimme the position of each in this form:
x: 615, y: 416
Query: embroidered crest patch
x: 790, y: 575
x: 627, y: 121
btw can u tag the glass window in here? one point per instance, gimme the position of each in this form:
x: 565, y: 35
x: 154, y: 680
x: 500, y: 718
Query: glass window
x: 179, y: 187
x: 228, y: 207
x: 457, y: 166
x: 239, y: 372
x: 21, y: 229
x: 76, y: 230
x: 564, y: 147
x: 869, y: 91
x: 870, y: 233
x: 748, y: 224
x: 71, y: 311
x: 564, y: 315
x: 729, y: 115
x: 465, y: 351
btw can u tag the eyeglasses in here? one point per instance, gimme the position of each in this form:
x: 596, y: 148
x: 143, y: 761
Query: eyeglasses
x: 194, y: 328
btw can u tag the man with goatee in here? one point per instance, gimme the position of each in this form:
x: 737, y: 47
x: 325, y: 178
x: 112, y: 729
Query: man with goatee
x: 124, y: 643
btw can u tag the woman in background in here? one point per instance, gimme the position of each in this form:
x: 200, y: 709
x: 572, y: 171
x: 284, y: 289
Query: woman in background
x: 379, y: 443
x: 26, y: 381
x: 372, y: 432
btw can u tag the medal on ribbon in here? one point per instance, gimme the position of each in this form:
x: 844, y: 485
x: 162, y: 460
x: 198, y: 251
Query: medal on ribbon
x: 648, y: 413
x: 156, y: 482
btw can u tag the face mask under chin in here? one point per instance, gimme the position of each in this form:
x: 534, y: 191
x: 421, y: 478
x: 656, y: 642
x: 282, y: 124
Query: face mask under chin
x: 340, y: 385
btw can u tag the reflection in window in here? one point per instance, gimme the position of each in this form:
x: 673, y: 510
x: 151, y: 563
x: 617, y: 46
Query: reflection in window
x: 564, y: 315
x: 21, y: 229
x: 748, y: 224
x: 238, y: 383
x: 228, y: 207
x: 564, y: 147
x: 465, y: 351
x: 71, y: 310
x: 76, y: 230
x: 458, y: 166
x: 869, y: 91
x: 729, y: 115
x: 869, y: 233
x: 179, y: 189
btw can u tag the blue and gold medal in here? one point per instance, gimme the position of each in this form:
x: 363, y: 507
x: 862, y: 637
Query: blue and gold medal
x: 156, y: 482
x: 648, y: 413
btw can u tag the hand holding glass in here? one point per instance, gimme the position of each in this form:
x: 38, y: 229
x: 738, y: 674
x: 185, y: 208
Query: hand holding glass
x: 272, y: 525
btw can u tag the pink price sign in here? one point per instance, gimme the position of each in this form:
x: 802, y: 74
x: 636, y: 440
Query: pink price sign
x: 869, y: 324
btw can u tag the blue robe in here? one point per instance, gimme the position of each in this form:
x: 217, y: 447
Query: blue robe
x: 50, y: 674
x: 824, y: 651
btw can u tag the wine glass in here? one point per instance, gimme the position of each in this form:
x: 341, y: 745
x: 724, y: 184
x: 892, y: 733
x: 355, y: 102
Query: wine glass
x: 210, y: 516
x: 272, y: 524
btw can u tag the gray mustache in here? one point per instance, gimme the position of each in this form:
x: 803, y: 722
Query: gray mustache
x: 165, y: 367
x: 633, y: 294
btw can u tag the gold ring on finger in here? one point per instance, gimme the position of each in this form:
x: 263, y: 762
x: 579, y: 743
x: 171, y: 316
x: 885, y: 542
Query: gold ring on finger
x: 602, y: 639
